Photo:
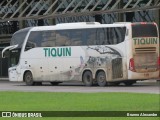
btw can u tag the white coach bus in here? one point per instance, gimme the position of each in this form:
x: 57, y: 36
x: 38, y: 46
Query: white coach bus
x: 88, y: 52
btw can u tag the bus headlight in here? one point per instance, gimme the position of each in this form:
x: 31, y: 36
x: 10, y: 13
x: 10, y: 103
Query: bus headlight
x: 11, y: 70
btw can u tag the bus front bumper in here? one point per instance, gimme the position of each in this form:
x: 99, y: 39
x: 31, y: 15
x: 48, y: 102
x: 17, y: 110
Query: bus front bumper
x: 14, y: 75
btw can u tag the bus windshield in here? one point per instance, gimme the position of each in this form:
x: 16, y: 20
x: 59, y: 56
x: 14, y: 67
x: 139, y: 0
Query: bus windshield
x: 17, y: 39
x: 144, y: 30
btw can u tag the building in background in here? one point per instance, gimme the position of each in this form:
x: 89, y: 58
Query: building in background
x: 15, y: 15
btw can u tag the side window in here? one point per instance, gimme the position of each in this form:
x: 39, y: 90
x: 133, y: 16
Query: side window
x: 117, y: 35
x: 34, y: 40
x: 100, y: 36
x: 121, y: 31
x: 48, y: 38
x: 76, y: 37
x: 90, y: 37
x: 41, y: 39
x: 63, y: 38
x: 69, y: 37
x: 113, y: 36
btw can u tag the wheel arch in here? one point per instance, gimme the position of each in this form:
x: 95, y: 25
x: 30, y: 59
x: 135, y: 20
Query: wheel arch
x: 25, y: 73
x: 84, y: 72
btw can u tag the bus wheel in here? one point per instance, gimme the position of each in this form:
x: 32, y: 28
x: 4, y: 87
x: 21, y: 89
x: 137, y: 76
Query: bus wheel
x: 28, y: 78
x: 101, y: 79
x: 87, y: 78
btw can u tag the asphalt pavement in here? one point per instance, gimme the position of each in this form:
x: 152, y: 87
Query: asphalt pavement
x: 139, y: 87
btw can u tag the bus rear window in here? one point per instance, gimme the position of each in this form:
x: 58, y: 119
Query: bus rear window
x: 144, y: 30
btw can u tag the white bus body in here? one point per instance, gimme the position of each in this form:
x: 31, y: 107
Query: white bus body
x: 88, y: 52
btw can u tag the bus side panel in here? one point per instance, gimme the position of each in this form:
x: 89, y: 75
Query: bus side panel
x: 65, y: 63
x: 34, y: 60
x: 64, y: 67
x: 68, y: 63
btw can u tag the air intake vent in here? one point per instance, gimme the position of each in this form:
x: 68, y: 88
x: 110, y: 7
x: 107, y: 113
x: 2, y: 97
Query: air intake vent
x: 146, y: 50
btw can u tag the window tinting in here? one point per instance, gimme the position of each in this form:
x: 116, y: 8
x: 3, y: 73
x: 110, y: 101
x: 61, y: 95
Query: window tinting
x: 48, y: 39
x: 34, y: 39
x: 90, y: 38
x: 116, y: 35
x: 112, y: 35
x: 144, y: 30
x: 69, y: 37
x: 41, y: 39
x: 76, y: 37
x: 62, y: 38
x: 18, y: 38
x: 101, y: 36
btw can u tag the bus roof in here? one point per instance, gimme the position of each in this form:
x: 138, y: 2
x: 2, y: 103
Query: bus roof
x: 78, y: 25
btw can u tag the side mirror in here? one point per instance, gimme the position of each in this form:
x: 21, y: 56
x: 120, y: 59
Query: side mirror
x: 8, y: 48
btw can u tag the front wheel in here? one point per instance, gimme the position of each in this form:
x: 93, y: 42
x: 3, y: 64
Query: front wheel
x: 28, y: 78
x: 87, y: 78
x: 101, y: 79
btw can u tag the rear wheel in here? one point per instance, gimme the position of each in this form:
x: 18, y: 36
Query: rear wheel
x: 101, y: 79
x: 28, y: 78
x: 87, y: 78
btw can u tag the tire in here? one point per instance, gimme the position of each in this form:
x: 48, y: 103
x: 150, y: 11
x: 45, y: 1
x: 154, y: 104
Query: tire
x: 28, y: 78
x: 87, y: 78
x: 101, y: 79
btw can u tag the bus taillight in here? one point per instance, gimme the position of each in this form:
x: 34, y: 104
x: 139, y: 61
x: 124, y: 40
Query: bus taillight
x: 143, y: 23
x: 131, y: 65
x: 154, y: 24
x: 158, y: 62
